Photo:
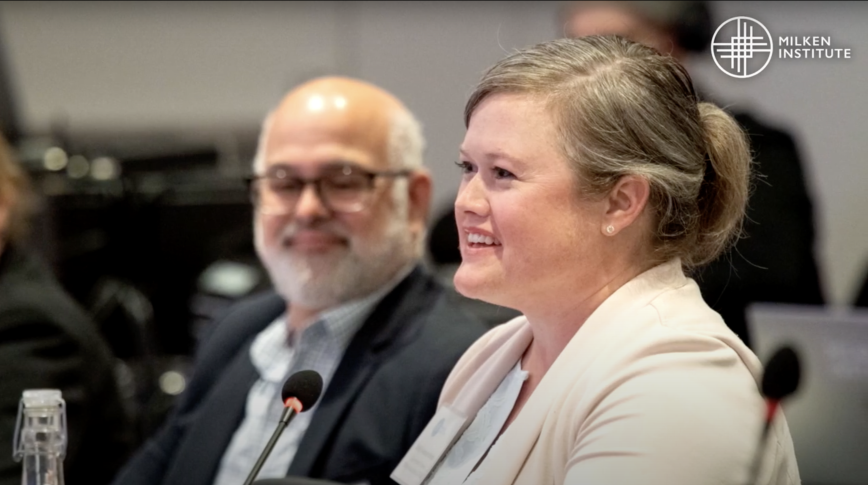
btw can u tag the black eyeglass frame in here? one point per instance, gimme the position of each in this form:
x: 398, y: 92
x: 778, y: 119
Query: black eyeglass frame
x: 370, y: 175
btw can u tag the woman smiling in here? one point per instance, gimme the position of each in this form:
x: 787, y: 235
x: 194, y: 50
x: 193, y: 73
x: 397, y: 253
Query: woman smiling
x: 593, y: 182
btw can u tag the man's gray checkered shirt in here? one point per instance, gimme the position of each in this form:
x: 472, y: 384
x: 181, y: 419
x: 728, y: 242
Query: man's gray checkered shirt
x: 276, y: 354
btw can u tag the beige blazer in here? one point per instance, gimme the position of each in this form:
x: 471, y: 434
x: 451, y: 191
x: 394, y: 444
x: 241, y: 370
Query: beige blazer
x: 653, y: 389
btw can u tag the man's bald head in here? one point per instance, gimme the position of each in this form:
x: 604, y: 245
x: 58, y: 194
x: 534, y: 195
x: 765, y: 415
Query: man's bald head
x: 349, y: 111
x: 331, y: 140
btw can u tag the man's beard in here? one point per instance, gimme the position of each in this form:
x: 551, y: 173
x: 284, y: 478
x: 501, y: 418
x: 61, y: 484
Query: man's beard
x: 341, y: 274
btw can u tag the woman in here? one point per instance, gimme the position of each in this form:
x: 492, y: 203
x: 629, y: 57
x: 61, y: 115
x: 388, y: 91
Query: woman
x: 593, y: 180
x: 48, y: 341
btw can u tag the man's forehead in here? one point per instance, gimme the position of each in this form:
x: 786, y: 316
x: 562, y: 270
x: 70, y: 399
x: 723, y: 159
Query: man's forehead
x: 328, y: 168
x: 337, y: 113
x: 602, y: 19
x: 326, y: 137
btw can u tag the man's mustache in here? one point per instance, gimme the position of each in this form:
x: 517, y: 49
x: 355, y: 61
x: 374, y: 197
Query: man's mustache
x: 327, y: 227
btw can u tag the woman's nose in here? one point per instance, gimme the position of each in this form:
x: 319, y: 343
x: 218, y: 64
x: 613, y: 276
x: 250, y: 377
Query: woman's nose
x: 472, y: 197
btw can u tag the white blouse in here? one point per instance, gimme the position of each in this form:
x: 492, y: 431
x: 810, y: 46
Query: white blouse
x: 480, y: 435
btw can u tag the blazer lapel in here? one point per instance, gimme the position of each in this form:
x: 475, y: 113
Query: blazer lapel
x: 380, y: 332
x: 218, y: 418
x: 503, y: 465
x: 490, y: 373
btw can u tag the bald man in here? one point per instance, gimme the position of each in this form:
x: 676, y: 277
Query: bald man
x: 341, y: 201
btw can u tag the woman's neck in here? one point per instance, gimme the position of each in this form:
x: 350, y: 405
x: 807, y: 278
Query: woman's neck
x: 555, y: 323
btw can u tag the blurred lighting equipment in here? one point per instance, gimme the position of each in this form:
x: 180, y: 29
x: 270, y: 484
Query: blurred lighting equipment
x: 78, y: 167
x: 172, y: 382
x: 55, y: 159
x: 104, y: 168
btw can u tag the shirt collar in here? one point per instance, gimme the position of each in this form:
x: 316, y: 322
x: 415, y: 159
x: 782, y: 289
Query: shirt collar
x: 343, y: 321
x: 272, y: 349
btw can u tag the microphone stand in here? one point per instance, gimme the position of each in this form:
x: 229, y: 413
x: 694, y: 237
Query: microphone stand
x: 288, y: 413
x: 758, y: 456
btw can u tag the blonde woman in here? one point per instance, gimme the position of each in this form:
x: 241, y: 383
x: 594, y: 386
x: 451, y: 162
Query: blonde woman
x: 593, y: 182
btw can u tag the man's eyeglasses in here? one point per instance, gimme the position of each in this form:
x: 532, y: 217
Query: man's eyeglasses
x: 344, y: 188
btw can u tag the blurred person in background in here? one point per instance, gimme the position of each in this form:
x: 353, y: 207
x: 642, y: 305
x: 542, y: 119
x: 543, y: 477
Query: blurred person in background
x: 48, y: 341
x: 341, y: 204
x: 775, y: 261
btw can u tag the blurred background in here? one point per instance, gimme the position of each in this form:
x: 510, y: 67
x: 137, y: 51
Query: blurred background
x: 138, y: 120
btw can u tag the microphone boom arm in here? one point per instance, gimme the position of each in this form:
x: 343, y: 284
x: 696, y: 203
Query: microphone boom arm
x: 289, y: 412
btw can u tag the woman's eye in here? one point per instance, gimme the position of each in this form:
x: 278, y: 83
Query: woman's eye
x: 502, y: 173
x: 466, y: 167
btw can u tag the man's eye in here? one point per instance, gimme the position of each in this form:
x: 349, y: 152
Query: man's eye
x: 285, y: 185
x: 345, y: 183
x: 466, y: 167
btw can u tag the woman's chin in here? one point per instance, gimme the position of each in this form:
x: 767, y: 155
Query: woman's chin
x: 476, y: 286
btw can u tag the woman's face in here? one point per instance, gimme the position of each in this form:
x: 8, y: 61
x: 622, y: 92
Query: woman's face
x: 526, y: 238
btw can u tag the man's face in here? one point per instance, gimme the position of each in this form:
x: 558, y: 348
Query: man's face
x: 605, y: 18
x: 319, y: 257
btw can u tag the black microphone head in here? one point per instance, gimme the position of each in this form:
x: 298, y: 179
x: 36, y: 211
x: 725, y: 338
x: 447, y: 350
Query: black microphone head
x: 305, y: 386
x: 782, y: 374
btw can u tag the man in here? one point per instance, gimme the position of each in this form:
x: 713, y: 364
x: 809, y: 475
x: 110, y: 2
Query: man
x: 48, y: 341
x: 341, y: 206
x: 775, y: 262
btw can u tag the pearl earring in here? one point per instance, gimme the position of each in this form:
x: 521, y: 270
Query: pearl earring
x: 610, y: 229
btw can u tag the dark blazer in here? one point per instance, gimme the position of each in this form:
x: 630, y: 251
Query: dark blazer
x: 47, y: 341
x: 776, y: 261
x: 381, y: 396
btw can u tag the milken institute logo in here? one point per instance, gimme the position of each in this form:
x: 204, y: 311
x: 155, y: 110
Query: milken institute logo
x: 748, y: 51
x: 742, y: 47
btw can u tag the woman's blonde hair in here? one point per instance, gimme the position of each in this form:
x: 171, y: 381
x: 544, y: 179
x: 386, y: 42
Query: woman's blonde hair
x: 621, y: 108
x: 14, y: 194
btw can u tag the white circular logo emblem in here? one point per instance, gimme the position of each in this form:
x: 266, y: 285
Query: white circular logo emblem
x: 742, y: 47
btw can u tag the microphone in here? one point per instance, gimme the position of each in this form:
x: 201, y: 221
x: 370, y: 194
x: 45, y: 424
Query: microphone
x: 780, y: 379
x: 300, y: 392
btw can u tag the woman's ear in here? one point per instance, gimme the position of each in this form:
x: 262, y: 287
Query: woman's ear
x: 625, y: 203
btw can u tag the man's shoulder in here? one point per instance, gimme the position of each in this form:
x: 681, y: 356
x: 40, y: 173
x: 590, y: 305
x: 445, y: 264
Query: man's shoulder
x: 427, y: 330
x: 426, y: 350
x: 241, y: 322
x: 224, y: 339
x: 444, y: 321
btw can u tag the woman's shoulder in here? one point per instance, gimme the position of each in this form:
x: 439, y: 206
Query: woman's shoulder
x: 669, y: 327
x: 682, y: 313
x: 674, y: 338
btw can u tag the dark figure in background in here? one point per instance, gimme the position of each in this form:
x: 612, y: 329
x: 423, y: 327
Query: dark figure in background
x: 341, y: 204
x: 48, y: 341
x: 775, y: 262
x: 862, y: 295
